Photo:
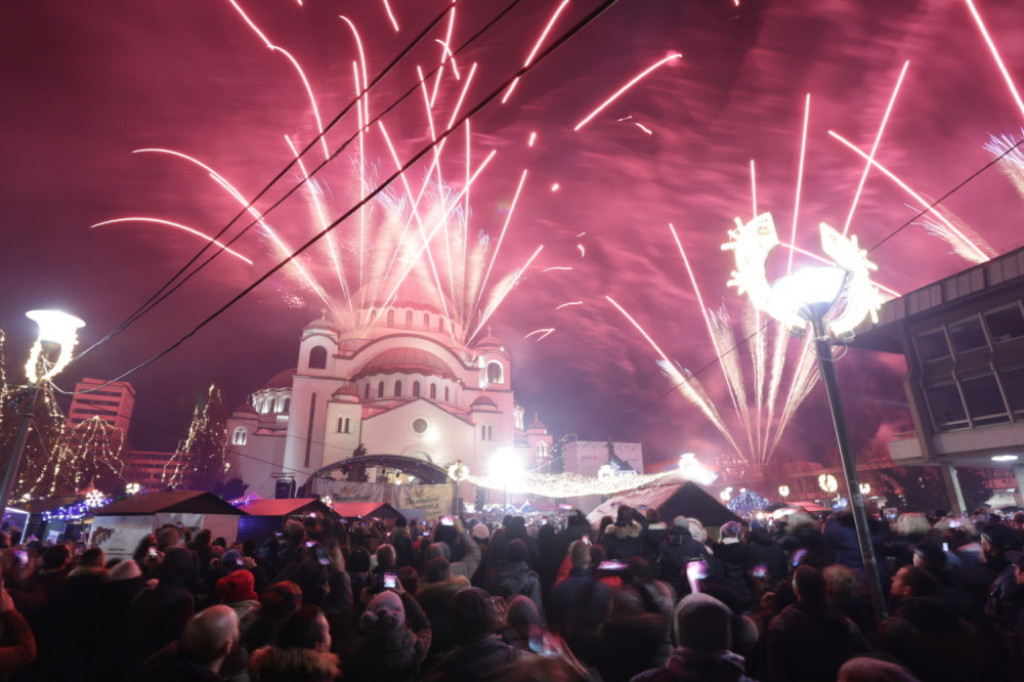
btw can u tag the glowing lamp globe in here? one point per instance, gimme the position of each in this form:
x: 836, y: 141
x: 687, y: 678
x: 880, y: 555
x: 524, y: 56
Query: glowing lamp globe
x: 55, y: 328
x: 807, y: 293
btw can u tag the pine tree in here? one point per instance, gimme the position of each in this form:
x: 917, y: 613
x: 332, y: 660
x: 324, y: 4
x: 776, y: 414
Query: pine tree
x: 200, y: 462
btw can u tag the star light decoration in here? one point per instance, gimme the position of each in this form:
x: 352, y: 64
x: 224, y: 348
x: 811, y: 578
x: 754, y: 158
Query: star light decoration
x: 754, y: 241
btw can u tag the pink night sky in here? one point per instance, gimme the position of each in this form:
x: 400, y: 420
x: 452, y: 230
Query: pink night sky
x: 86, y: 84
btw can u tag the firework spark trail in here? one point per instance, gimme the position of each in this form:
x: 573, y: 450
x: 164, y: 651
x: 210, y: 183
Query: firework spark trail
x: 231, y: 190
x: 501, y: 237
x: 684, y: 380
x: 618, y: 93
x: 536, y: 47
x: 544, y: 333
x: 758, y: 354
x: 499, y: 297
x: 391, y: 15
x: 723, y: 337
x: 295, y: 65
x: 1011, y: 159
x: 804, y: 379
x: 444, y: 52
x: 874, y: 147
x: 753, y: 189
x: 566, y: 305
x: 170, y: 223
x: 320, y: 211
x: 449, y: 56
x: 827, y: 261
x: 727, y: 365
x: 959, y: 241
x: 799, y: 179
x: 995, y: 55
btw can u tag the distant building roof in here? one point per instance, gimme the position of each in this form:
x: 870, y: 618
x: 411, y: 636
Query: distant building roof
x: 184, y: 501
x: 287, y: 507
x: 281, y: 379
x: 406, y: 360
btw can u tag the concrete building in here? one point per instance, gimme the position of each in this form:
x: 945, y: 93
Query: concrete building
x: 963, y: 340
x: 403, y: 386
x: 113, y: 402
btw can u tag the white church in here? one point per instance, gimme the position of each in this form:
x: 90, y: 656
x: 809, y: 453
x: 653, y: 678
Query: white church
x: 402, y: 386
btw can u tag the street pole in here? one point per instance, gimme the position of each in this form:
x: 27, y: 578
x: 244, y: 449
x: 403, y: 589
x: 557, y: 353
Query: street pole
x: 18, y: 450
x: 860, y: 517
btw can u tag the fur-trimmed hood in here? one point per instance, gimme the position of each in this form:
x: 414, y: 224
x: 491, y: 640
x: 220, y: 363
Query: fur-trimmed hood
x: 295, y: 664
x: 629, y: 532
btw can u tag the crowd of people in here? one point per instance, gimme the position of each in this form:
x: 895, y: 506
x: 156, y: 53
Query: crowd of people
x: 637, y: 598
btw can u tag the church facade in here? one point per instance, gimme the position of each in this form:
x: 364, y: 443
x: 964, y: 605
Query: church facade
x: 402, y: 385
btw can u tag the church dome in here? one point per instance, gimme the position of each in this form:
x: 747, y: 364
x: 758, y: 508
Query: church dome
x: 346, y: 392
x: 489, y: 341
x: 406, y: 360
x: 483, y: 403
x: 281, y: 379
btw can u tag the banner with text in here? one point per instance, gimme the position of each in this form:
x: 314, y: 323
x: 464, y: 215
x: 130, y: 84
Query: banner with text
x: 349, y: 491
x: 434, y: 500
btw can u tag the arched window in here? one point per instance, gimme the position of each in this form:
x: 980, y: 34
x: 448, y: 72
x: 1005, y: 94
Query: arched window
x: 494, y: 373
x: 398, y: 389
x: 318, y: 357
x: 446, y: 395
x: 380, y: 390
x: 366, y: 392
x: 391, y: 318
x: 426, y: 320
x: 240, y: 436
x: 440, y: 324
x: 272, y: 405
x: 433, y: 391
x: 415, y: 389
x: 343, y: 424
x: 285, y: 404
x: 542, y: 449
x: 408, y: 319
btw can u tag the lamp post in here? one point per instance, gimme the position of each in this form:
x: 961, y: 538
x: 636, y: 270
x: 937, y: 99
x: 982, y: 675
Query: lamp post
x: 811, y: 293
x: 50, y: 353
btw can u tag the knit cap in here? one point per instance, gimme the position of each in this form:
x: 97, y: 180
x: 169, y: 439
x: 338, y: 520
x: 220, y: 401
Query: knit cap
x: 236, y: 586
x: 280, y: 599
x: 703, y: 623
x: 384, y: 611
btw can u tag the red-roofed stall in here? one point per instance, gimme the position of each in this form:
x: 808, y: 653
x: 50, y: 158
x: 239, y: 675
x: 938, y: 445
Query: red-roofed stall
x: 266, y: 517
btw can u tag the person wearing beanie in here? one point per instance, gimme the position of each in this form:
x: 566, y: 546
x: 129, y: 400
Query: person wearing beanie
x: 236, y: 590
x: 392, y: 641
x: 276, y: 603
x: 625, y: 538
x: 677, y: 550
x: 1000, y: 547
x: 479, y: 653
x: 704, y: 635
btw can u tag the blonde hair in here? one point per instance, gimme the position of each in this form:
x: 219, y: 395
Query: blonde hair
x: 912, y: 524
x: 840, y: 582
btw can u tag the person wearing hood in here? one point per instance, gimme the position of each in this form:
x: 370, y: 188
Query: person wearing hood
x: 925, y: 634
x: 513, y: 576
x: 158, y: 615
x: 735, y: 561
x: 300, y: 651
x: 764, y: 549
x: 625, y: 538
x: 392, y: 641
x: 704, y: 635
x: 811, y: 639
x: 677, y: 550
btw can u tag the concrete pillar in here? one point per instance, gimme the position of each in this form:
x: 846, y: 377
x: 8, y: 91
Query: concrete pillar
x: 956, y: 496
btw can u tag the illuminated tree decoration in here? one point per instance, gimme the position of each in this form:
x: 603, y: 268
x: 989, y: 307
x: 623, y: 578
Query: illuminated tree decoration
x: 748, y: 502
x: 91, y: 452
x: 200, y: 461
x: 753, y: 242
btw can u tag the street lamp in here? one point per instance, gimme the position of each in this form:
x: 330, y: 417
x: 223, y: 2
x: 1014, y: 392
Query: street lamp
x: 50, y: 353
x: 810, y: 293
x: 506, y: 466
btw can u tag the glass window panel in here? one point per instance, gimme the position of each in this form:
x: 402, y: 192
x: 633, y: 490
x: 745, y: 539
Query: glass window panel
x: 947, y: 409
x: 983, y: 399
x: 967, y: 335
x: 1013, y: 384
x: 1005, y: 324
x: 932, y: 346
